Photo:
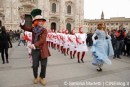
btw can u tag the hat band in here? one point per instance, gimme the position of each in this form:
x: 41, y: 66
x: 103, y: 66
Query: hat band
x: 38, y: 17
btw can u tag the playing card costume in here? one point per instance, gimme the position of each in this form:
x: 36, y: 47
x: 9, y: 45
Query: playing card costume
x: 81, y: 45
x: 72, y: 47
x: 28, y: 38
x: 66, y: 43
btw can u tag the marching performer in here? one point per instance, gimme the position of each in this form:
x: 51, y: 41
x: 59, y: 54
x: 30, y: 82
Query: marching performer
x: 62, y: 41
x: 81, y: 44
x: 72, y: 47
x: 58, y: 40
x: 66, y: 43
x: 52, y: 38
x: 28, y: 38
x: 49, y: 38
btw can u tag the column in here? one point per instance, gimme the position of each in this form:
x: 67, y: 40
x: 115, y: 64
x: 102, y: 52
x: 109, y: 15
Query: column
x: 62, y: 14
x: 82, y: 12
x: 40, y: 4
x: 15, y: 15
x: 77, y: 18
x: 8, y: 16
x: 46, y: 12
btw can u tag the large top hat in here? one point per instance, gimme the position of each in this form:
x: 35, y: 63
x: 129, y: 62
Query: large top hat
x: 36, y: 14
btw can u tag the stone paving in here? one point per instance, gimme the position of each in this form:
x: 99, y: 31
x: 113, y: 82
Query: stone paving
x: 63, y: 71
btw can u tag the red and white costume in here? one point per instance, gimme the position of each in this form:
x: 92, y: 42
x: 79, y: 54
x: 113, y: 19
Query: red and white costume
x: 72, y: 47
x: 81, y: 44
x: 66, y: 42
x: 28, y: 38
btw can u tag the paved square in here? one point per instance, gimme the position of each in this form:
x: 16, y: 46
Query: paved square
x: 63, y: 71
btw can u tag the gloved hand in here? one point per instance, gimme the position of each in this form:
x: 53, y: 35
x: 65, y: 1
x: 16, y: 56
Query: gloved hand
x: 94, y: 42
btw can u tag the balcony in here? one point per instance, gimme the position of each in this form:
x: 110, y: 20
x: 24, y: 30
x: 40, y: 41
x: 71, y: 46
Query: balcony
x: 28, y: 3
x: 69, y: 15
x: 69, y: 19
x: 56, y: 14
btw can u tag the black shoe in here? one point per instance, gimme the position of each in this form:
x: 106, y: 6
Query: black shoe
x: 82, y: 60
x: 78, y: 61
x: 114, y: 57
x: 7, y: 61
x: 128, y: 55
x: 99, y: 70
x: 119, y: 57
x: 3, y: 62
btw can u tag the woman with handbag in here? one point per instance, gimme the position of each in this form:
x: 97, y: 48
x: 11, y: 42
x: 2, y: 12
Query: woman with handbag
x: 5, y: 43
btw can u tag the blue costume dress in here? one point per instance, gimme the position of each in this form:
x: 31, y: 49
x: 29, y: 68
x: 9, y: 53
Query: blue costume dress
x: 102, y: 48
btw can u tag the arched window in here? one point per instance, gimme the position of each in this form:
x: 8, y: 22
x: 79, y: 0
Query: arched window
x: 53, y: 8
x: 68, y: 26
x: 53, y: 26
x: 69, y: 9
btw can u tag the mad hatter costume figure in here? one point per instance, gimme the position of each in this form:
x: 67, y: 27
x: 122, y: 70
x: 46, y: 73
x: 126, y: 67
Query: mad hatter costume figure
x: 39, y: 47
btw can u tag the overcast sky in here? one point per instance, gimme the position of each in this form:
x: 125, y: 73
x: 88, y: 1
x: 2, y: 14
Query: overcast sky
x: 111, y: 8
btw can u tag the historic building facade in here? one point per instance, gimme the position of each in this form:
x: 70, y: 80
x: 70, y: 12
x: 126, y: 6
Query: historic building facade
x: 112, y: 23
x: 2, y: 15
x: 67, y: 14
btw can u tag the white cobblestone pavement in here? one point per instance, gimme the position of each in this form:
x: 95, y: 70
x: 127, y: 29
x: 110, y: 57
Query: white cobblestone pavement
x: 63, y: 71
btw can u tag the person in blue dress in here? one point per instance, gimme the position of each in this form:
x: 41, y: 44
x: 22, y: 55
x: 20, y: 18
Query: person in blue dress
x: 102, y: 47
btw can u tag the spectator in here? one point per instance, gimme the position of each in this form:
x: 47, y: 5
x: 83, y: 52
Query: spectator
x: 128, y: 43
x: 120, y: 35
x: 21, y: 39
x: 5, y: 43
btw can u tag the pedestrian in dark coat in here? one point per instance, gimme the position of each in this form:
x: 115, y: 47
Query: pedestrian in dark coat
x: 128, y: 43
x: 5, y: 43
